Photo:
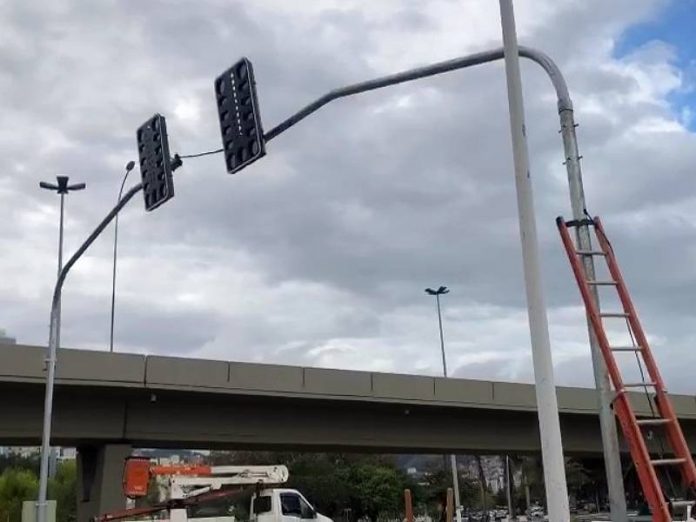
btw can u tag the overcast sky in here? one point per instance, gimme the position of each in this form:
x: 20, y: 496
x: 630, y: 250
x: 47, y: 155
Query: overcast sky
x: 319, y: 253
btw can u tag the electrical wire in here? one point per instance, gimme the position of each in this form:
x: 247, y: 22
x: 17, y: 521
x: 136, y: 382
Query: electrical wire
x: 201, y: 154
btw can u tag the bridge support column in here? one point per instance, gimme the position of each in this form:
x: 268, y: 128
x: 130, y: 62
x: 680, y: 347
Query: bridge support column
x: 99, y: 479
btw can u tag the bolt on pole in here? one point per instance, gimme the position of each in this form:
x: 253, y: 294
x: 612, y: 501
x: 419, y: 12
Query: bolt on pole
x: 547, y: 404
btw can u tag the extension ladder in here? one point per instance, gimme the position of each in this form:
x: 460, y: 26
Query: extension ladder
x: 665, y: 418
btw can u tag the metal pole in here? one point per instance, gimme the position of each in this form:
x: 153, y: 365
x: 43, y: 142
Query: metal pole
x: 547, y: 404
x: 54, y: 457
x: 113, y: 286
x: 129, y: 167
x: 53, y: 345
x: 442, y: 338
x: 610, y: 438
x: 565, y: 109
x: 508, y: 488
x: 453, y: 457
x: 482, y: 483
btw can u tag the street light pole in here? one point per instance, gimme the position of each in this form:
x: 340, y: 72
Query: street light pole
x: 453, y: 458
x: 53, y: 345
x: 547, y: 403
x: 61, y: 188
x: 442, y: 338
x: 129, y: 167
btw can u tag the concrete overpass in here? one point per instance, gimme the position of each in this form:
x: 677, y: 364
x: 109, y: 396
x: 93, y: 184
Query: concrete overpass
x: 106, y: 404
x: 154, y: 401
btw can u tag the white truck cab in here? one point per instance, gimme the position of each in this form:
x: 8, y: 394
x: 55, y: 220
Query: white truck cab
x: 283, y: 505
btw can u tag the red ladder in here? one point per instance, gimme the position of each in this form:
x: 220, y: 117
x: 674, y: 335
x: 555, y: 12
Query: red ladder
x: 630, y: 425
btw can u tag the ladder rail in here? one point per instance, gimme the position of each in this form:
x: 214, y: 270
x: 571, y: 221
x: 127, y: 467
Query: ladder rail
x: 664, y: 405
x: 629, y: 309
x: 636, y: 443
x: 647, y: 475
x: 591, y: 307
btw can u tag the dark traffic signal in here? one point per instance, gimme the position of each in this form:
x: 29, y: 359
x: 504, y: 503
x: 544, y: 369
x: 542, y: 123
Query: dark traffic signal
x: 155, y: 164
x: 238, y: 111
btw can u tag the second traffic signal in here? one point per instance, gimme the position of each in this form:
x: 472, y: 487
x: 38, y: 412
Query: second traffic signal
x: 155, y: 163
x: 238, y: 111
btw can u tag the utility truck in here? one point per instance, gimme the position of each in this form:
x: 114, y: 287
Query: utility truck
x: 187, y: 488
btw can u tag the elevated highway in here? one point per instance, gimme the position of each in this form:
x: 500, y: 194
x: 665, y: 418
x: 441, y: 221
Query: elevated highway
x: 166, y: 402
x: 108, y: 403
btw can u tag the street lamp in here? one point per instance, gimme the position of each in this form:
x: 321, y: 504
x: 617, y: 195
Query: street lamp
x: 129, y: 167
x: 62, y: 188
x: 453, y: 459
x: 437, y: 293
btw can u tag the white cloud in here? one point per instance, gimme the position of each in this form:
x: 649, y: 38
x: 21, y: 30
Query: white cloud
x: 318, y: 254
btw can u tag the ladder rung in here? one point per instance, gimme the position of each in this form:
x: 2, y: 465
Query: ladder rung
x: 579, y: 222
x: 601, y: 283
x: 614, y: 314
x: 590, y: 253
x: 667, y: 462
x: 652, y: 422
x: 682, y: 503
x: 639, y: 385
x: 626, y: 348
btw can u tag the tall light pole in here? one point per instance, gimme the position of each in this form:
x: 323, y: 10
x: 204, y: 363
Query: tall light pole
x: 157, y: 185
x: 547, y: 402
x: 453, y: 459
x: 61, y: 188
x: 129, y: 167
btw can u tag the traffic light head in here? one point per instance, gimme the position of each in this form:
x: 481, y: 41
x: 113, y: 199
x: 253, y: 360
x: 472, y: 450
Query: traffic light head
x: 155, y: 166
x: 238, y: 111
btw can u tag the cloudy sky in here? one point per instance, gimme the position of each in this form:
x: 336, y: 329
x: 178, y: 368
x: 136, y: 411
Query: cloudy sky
x: 319, y: 253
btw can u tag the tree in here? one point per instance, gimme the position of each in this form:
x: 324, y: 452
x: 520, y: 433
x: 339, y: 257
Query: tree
x: 324, y: 479
x: 577, y: 478
x: 20, y: 462
x: 16, y: 486
x: 376, y: 490
x: 62, y: 488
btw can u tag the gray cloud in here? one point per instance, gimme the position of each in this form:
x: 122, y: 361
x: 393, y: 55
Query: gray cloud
x: 318, y: 254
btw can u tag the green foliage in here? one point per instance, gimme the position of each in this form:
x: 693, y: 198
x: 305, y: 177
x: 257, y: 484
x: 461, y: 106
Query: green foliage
x: 16, y: 486
x: 31, y: 463
x: 324, y: 479
x: 62, y: 488
x: 376, y: 490
x: 367, y: 485
x: 577, y: 476
x: 20, y: 482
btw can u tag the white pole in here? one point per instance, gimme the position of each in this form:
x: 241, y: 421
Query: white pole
x: 53, y: 458
x: 547, y: 405
x: 453, y: 457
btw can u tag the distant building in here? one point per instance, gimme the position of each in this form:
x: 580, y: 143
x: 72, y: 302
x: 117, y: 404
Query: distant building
x: 6, y: 339
x: 23, y: 451
x: 67, y: 454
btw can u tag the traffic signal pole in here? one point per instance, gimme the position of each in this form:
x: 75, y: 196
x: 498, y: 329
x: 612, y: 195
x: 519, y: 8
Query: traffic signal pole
x: 577, y: 199
x: 53, y: 345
